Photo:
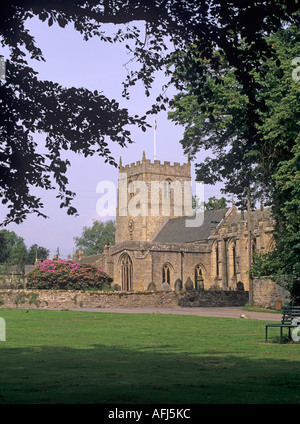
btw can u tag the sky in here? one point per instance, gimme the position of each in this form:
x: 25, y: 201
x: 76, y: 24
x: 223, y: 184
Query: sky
x: 95, y: 65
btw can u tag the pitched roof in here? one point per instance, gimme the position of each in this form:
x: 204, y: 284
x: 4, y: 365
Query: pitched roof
x: 28, y: 268
x: 17, y: 269
x: 176, y: 231
x: 91, y: 259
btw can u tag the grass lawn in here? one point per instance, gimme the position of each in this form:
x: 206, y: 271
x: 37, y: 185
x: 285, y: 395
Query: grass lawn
x: 57, y: 357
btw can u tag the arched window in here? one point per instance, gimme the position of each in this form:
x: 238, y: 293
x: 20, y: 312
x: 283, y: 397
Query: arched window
x: 166, y: 274
x: 217, y: 260
x: 126, y: 272
x: 167, y: 189
x: 231, y: 262
x: 234, y: 259
x: 130, y: 189
x: 253, y: 247
x: 199, y: 281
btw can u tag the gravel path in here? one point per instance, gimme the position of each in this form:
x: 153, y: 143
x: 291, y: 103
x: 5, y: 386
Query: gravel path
x: 235, y: 312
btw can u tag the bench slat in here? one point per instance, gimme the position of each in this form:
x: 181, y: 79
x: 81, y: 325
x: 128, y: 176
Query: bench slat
x: 288, y: 316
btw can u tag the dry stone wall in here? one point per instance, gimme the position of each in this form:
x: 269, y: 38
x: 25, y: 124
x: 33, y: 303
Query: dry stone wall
x: 268, y: 294
x: 59, y: 299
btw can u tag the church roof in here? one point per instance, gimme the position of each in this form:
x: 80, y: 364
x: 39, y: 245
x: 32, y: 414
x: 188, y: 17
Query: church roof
x: 176, y: 231
x: 91, y: 259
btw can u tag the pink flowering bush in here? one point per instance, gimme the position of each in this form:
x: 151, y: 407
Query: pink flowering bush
x: 67, y: 275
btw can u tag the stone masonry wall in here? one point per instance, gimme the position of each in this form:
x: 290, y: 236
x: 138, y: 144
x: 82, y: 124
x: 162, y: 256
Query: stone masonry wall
x: 266, y: 293
x: 60, y: 299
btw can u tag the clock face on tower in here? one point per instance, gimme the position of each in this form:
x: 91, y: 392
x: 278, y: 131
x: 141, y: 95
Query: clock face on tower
x: 130, y: 225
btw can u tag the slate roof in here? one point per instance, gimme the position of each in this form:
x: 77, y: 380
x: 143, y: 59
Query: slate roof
x: 175, y: 230
x: 91, y: 259
x: 255, y: 215
x: 28, y: 268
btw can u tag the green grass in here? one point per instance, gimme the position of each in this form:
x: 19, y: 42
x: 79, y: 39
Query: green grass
x: 84, y: 357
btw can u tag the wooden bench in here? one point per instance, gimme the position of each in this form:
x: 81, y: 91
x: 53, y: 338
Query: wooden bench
x: 288, y: 320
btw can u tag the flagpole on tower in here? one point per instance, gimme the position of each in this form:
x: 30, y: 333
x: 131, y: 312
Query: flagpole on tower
x: 154, y: 127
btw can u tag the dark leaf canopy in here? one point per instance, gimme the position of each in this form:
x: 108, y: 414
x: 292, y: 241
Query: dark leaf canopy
x: 82, y: 121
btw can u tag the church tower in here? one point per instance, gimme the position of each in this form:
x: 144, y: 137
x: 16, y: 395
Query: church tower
x: 148, y: 195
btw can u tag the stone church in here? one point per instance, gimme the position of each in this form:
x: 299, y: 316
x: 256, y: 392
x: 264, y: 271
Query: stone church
x: 155, y: 248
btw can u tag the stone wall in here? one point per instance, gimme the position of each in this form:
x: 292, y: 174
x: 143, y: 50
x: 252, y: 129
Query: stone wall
x: 268, y: 294
x: 13, y: 282
x: 61, y: 299
x: 207, y: 298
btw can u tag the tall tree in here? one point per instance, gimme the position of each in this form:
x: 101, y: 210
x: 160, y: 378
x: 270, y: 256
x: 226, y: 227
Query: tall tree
x: 93, y: 239
x: 262, y: 154
x: 36, y: 252
x: 280, y: 132
x: 74, y: 119
x: 12, y: 249
x: 78, y: 119
x: 214, y: 203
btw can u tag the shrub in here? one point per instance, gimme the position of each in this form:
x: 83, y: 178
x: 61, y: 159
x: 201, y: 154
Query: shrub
x: 67, y: 275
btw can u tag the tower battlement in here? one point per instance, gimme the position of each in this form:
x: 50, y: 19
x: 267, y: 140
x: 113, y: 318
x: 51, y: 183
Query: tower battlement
x: 156, y: 167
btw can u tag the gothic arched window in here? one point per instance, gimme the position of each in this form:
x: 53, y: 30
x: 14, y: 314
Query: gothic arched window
x: 217, y: 260
x: 167, y: 189
x: 130, y: 189
x: 234, y: 259
x: 166, y: 274
x: 126, y: 272
x: 199, y: 281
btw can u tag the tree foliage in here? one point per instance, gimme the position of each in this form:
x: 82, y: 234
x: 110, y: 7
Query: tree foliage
x: 80, y: 120
x: 262, y: 154
x: 12, y: 249
x: 73, y: 119
x: 214, y: 203
x: 93, y: 239
x: 280, y: 133
x: 36, y: 252
x: 216, y: 119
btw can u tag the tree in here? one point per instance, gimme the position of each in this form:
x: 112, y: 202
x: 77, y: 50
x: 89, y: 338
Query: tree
x: 36, y: 252
x: 263, y: 154
x: 93, y: 239
x: 280, y: 132
x: 80, y: 120
x: 74, y: 119
x: 216, y: 120
x: 214, y: 203
x: 12, y: 249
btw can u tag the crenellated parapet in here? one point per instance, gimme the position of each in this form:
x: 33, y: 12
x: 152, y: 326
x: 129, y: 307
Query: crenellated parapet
x: 156, y: 167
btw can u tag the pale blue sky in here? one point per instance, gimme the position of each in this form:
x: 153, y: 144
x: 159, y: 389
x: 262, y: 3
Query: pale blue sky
x: 96, y: 65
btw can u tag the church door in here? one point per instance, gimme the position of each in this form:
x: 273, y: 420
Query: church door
x: 126, y: 272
